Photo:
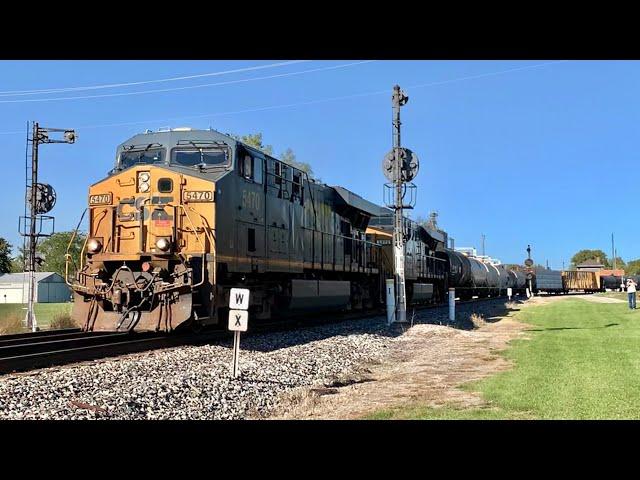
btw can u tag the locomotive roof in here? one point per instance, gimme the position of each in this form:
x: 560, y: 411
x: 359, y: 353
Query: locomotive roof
x: 171, y: 138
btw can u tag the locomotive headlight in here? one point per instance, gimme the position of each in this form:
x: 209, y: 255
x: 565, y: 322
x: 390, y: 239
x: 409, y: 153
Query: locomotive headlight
x: 163, y: 244
x: 94, y: 245
x: 144, y: 182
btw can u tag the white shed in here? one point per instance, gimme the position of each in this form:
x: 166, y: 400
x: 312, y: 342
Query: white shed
x: 51, y: 287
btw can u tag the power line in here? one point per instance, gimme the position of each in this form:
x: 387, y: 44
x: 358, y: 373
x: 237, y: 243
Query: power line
x: 189, y: 87
x: 306, y: 103
x: 15, y: 93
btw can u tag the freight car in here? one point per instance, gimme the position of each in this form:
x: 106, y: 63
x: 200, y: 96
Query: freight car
x: 547, y: 280
x: 185, y: 215
x: 576, y: 280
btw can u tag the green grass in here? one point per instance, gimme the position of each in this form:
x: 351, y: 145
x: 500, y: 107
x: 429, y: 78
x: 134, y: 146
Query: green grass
x: 582, y: 362
x: 44, y: 311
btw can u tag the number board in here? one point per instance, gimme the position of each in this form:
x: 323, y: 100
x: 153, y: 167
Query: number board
x: 201, y: 196
x: 100, y: 199
x: 238, y: 320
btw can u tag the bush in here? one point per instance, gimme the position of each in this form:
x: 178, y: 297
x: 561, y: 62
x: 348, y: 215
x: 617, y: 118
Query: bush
x: 477, y: 320
x: 12, y: 323
x: 62, y: 320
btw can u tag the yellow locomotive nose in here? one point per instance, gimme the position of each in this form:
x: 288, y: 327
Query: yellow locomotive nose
x: 146, y: 225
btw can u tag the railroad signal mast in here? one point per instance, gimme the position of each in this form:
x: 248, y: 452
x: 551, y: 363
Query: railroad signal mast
x: 40, y: 198
x: 400, y: 166
x: 529, y: 264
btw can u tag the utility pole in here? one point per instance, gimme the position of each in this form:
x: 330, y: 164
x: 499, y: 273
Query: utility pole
x: 40, y: 198
x: 613, y: 252
x: 400, y: 166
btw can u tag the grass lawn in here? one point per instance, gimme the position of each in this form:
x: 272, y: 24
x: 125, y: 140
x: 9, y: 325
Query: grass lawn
x: 582, y: 362
x: 44, y: 311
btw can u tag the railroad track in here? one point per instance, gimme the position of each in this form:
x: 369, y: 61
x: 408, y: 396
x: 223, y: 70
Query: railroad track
x: 30, y: 351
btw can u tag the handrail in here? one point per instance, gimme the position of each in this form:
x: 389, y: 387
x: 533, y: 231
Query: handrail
x: 67, y: 256
x: 204, y: 248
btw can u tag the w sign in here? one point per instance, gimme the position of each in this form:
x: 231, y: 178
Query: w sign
x: 239, y: 299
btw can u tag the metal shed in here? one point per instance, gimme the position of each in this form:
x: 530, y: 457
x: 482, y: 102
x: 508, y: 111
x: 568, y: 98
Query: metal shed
x: 51, y: 288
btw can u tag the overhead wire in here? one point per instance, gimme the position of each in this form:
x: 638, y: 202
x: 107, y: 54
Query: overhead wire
x: 187, y: 87
x: 312, y: 102
x: 12, y: 93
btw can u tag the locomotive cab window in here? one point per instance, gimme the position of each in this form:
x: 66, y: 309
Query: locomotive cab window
x: 134, y: 157
x: 251, y: 168
x: 192, y: 157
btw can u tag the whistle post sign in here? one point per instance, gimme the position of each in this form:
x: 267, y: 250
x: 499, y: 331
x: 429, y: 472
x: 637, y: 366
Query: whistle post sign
x: 238, y: 321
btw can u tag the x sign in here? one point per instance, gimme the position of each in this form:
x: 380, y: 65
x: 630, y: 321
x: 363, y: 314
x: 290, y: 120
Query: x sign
x: 238, y: 320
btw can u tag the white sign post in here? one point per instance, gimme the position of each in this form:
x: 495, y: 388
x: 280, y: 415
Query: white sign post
x: 452, y: 304
x: 509, y: 293
x: 238, y: 321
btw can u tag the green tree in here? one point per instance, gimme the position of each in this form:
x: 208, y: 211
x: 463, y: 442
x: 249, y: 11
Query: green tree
x: 5, y: 256
x: 619, y: 263
x: 17, y: 263
x: 633, y: 267
x: 289, y: 157
x: 54, y: 248
x: 588, y: 255
x: 254, y: 140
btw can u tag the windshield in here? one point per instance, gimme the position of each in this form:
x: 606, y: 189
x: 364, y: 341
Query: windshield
x: 153, y: 155
x: 199, y: 156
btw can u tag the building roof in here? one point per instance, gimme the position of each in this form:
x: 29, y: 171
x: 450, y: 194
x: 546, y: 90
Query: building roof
x: 591, y: 263
x: 23, y: 277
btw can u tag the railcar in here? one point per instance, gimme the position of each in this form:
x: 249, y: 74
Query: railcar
x: 577, y: 280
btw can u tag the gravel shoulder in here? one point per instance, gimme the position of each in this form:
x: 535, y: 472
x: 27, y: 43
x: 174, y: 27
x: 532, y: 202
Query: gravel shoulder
x: 427, y: 364
x: 194, y: 382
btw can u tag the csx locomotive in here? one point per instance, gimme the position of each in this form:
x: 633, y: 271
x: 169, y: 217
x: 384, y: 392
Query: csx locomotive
x: 185, y: 215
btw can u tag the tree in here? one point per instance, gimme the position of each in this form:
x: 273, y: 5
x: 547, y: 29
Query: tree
x: 17, y: 263
x: 54, y: 248
x: 5, y: 256
x: 588, y: 255
x: 633, y: 267
x: 254, y: 140
x: 289, y: 157
x: 619, y: 263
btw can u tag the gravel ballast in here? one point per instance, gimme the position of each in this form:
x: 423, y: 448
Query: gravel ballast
x: 195, y: 382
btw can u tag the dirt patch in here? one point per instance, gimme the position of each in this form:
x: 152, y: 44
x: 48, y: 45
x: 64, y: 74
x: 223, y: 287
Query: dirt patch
x: 427, y: 365
x: 599, y: 299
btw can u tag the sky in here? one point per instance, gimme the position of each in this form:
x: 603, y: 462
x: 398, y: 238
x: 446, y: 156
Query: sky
x: 525, y: 152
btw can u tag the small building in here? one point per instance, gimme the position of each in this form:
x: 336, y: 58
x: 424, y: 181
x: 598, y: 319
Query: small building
x: 50, y: 286
x: 618, y: 272
x: 594, y: 265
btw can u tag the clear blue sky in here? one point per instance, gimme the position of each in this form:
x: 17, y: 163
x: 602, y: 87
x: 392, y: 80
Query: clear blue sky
x: 545, y: 155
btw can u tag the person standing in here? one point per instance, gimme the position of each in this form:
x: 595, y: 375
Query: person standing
x: 631, y: 293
